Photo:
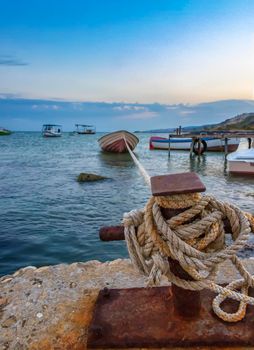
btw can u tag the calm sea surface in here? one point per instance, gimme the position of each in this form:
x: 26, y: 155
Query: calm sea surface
x: 47, y: 217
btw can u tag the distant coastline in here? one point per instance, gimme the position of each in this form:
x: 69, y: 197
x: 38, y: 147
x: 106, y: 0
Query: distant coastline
x: 241, y: 122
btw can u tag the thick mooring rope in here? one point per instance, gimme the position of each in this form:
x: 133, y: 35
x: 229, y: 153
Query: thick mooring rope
x: 139, y: 165
x: 196, y: 239
x: 198, y: 246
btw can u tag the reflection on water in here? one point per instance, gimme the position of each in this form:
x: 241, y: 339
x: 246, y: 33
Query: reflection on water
x: 116, y: 159
x: 198, y: 163
x: 46, y: 217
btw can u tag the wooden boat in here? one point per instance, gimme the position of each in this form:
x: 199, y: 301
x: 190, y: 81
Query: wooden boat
x: 241, y: 162
x: 4, y: 132
x: 82, y: 129
x: 116, y: 141
x: 208, y: 143
x: 51, y: 130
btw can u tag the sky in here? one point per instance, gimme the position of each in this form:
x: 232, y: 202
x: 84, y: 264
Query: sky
x: 29, y: 114
x: 129, y: 53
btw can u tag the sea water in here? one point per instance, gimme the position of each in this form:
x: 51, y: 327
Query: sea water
x: 47, y: 217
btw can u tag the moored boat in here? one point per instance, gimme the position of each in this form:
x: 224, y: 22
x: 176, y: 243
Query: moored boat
x: 179, y: 143
x: 83, y: 129
x: 51, y: 130
x: 4, y: 132
x: 241, y: 162
x: 116, y: 141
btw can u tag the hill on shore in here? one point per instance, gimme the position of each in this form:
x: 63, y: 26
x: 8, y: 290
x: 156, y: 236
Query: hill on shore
x: 243, y: 121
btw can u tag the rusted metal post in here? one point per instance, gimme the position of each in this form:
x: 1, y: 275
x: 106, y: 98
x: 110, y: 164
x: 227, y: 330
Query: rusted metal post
x: 226, y: 146
x: 111, y: 233
x: 191, y: 147
x: 169, y: 139
x: 186, y: 303
x: 199, y: 146
x: 249, y: 142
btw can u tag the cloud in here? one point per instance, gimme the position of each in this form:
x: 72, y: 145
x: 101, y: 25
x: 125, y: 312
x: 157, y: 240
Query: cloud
x: 55, y: 107
x: 77, y: 106
x: 139, y: 116
x: 187, y: 112
x: 46, y: 107
x: 172, y: 107
x: 4, y: 96
x: 7, y: 60
x: 129, y: 108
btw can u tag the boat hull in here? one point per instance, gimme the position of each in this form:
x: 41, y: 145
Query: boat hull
x: 50, y: 134
x: 241, y: 162
x: 213, y: 145
x: 241, y: 168
x: 5, y: 132
x: 86, y: 133
x: 115, y: 142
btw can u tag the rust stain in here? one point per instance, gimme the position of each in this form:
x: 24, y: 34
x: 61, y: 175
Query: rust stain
x: 184, y: 348
x: 71, y: 332
x: 147, y: 318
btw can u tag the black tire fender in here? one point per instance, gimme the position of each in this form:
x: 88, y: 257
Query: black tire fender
x: 203, y: 149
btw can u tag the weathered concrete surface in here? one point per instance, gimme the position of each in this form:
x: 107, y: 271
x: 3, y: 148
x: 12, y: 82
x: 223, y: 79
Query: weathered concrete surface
x: 51, y: 307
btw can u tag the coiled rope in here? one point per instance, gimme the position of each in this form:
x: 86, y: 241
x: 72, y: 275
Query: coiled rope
x: 196, y: 239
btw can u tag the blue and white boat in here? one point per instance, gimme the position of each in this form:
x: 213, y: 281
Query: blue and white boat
x: 83, y: 129
x: 51, y: 130
x: 209, y: 143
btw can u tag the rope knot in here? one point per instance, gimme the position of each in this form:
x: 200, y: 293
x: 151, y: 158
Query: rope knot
x: 195, y: 238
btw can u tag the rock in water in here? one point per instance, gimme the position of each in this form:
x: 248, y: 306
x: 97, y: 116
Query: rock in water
x: 86, y: 177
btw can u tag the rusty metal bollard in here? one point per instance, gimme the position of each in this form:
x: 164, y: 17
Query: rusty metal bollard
x: 164, y: 316
x: 186, y: 303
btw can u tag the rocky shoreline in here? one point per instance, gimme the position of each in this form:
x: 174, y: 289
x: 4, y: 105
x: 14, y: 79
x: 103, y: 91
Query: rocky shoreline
x: 51, y: 307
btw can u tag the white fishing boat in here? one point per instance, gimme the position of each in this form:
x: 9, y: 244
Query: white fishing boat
x: 83, y: 129
x: 241, y: 162
x: 207, y: 143
x: 116, y: 141
x: 51, y: 130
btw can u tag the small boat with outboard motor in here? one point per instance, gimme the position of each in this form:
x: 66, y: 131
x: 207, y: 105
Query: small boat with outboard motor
x: 51, y: 130
x: 4, y: 132
x: 117, y: 141
x: 83, y: 129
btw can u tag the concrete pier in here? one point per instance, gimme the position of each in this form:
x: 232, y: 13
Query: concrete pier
x: 50, y: 308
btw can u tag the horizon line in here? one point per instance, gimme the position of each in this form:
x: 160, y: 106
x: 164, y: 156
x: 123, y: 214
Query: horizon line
x: 12, y: 96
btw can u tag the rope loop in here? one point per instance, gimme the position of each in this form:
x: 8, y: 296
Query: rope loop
x: 196, y: 239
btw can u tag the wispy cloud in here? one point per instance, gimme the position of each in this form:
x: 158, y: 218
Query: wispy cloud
x: 5, y: 96
x: 129, y: 108
x: 77, y: 106
x: 139, y: 116
x: 172, y: 107
x: 187, y: 112
x: 45, y: 107
x: 8, y: 60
